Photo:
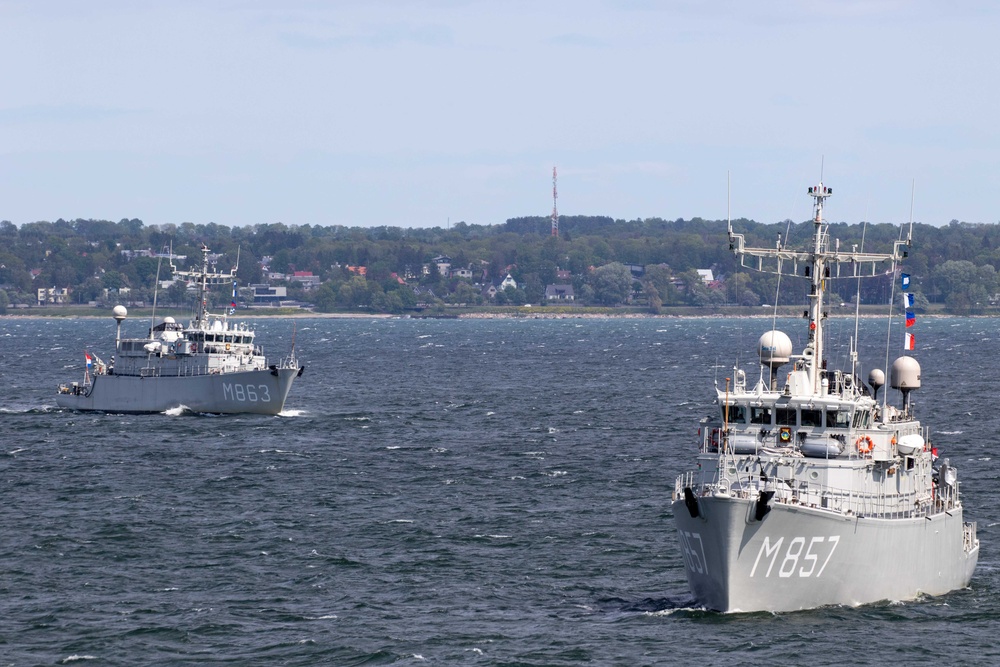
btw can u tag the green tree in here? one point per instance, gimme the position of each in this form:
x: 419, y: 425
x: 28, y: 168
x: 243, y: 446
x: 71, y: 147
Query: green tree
x: 114, y: 280
x: 177, y: 294
x: 739, y: 290
x: 325, y: 297
x: 965, y: 287
x: 612, y: 283
x: 355, y: 293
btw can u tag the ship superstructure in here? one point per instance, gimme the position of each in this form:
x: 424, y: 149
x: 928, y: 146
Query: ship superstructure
x: 809, y: 490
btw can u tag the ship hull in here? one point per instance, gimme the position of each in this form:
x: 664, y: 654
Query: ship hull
x: 800, y: 558
x: 254, y: 392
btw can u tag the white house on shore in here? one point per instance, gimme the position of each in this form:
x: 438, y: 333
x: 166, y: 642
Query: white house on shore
x: 490, y: 291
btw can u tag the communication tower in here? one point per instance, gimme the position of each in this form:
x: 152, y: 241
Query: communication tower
x: 555, y: 212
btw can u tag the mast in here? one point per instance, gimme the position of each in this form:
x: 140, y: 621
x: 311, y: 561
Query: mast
x: 821, y: 263
x: 204, y: 279
x: 203, y: 287
x: 815, y: 360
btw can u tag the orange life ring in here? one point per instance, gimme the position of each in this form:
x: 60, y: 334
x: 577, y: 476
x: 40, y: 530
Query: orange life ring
x: 865, y: 445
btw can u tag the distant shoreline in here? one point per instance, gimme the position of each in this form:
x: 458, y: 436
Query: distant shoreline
x: 531, y: 315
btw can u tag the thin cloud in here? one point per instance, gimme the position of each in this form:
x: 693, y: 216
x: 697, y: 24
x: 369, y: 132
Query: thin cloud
x: 376, y: 36
x: 580, y: 40
x: 62, y: 113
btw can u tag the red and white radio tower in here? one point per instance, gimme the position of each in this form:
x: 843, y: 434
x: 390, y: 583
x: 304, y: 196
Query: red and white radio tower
x: 555, y: 212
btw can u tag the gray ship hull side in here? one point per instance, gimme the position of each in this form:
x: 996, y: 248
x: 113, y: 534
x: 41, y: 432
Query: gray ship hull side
x: 254, y: 392
x: 800, y: 558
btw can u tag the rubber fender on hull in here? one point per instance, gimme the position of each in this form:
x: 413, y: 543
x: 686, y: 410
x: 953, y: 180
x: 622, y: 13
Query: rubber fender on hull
x: 761, y: 507
x: 691, y: 501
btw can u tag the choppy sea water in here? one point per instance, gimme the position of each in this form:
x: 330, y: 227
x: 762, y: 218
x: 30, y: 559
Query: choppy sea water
x: 487, y: 492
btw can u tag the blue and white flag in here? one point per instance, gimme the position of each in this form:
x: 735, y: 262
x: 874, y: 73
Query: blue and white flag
x: 907, y: 300
x: 904, y: 279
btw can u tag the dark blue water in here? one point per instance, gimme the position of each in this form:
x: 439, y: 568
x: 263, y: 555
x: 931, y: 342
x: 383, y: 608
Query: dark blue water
x: 488, y: 492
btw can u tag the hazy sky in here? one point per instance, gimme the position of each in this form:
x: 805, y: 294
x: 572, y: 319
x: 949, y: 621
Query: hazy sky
x: 414, y: 113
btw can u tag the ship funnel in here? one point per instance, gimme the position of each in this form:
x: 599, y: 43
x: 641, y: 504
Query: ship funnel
x: 775, y: 349
x: 905, y: 376
x: 876, y: 380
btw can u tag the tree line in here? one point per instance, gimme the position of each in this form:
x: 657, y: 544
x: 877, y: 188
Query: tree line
x: 649, y: 262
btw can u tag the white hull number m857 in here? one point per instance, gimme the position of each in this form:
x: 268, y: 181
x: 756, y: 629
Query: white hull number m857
x: 798, y: 558
x: 246, y: 393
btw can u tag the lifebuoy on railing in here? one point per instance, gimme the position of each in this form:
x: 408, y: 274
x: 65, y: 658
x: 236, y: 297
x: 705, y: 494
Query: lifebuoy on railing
x: 714, y: 438
x: 865, y: 445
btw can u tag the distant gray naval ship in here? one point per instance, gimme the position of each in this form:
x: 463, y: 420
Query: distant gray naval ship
x: 212, y: 365
x: 813, y: 491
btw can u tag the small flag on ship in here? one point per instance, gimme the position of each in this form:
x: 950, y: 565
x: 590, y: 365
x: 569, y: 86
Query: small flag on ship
x: 911, y: 319
x: 86, y: 355
x: 909, y: 342
x: 907, y: 300
x: 904, y: 279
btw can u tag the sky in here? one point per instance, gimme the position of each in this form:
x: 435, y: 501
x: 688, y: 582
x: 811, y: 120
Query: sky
x: 424, y: 113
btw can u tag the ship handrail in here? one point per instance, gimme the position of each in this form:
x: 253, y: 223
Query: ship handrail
x: 872, y: 504
x: 190, y: 370
x: 969, y: 539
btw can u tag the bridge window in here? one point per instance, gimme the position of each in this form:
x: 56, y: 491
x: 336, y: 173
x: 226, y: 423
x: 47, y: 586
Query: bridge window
x: 760, y: 416
x: 784, y: 416
x: 737, y: 414
x: 838, y: 418
x: 812, y: 417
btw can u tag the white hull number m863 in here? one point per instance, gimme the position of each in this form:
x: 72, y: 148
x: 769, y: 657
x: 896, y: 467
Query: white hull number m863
x: 246, y: 393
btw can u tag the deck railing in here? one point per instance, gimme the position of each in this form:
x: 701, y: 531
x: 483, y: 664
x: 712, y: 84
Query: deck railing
x: 873, y: 504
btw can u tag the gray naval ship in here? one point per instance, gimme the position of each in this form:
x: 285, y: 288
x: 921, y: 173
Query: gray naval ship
x: 810, y: 490
x: 212, y: 365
